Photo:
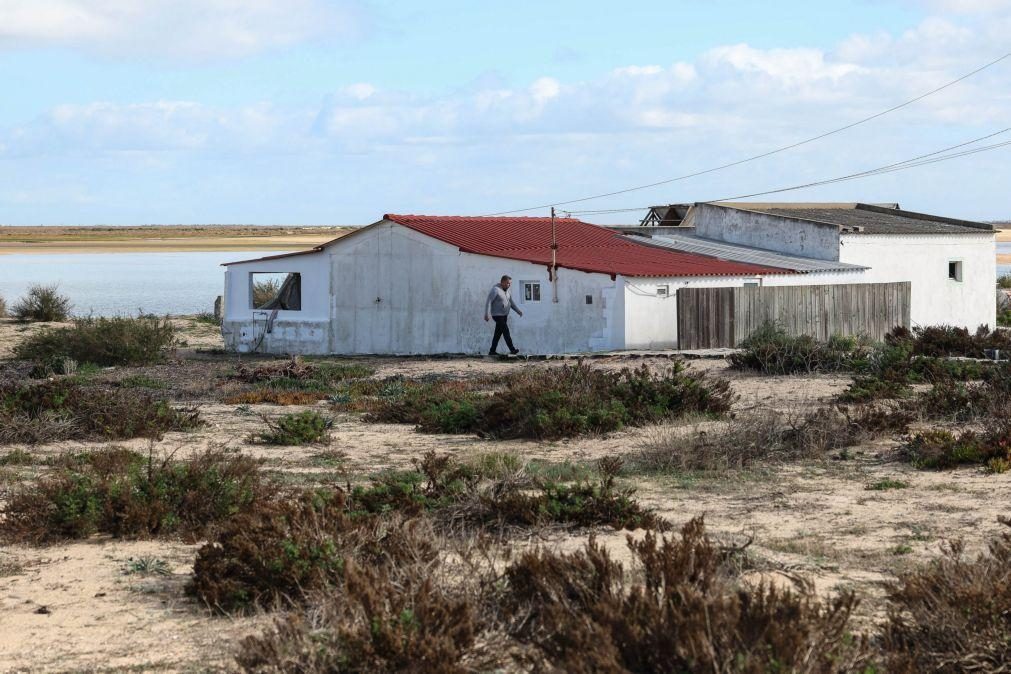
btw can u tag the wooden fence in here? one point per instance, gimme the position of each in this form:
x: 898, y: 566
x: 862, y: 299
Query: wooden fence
x: 723, y: 317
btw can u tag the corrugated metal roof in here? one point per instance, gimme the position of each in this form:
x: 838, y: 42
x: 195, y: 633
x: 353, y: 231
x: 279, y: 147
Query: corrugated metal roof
x: 870, y: 219
x: 581, y: 246
x: 737, y: 253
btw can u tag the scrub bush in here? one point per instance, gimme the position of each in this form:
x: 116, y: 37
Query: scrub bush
x: 124, y: 494
x: 952, y: 615
x: 771, y: 351
x: 282, y: 551
x: 104, y: 341
x: 302, y: 428
x: 940, y: 449
x: 945, y: 340
x: 297, y: 374
x: 42, y: 303
x: 264, y: 291
x: 552, y: 403
x: 682, y: 614
x: 3, y: 307
x: 64, y: 409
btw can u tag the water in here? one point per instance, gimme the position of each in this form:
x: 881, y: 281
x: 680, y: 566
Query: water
x: 1003, y: 249
x: 111, y: 284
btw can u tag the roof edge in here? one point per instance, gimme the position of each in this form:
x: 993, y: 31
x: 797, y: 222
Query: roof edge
x: 913, y: 215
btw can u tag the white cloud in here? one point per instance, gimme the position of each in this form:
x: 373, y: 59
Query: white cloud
x: 190, y: 29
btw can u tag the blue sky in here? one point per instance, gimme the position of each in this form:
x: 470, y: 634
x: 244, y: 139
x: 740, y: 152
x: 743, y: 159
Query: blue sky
x: 332, y: 111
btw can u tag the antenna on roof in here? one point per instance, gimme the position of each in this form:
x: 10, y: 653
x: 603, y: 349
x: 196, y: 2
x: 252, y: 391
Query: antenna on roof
x: 554, y: 258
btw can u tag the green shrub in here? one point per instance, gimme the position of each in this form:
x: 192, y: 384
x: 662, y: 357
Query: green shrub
x: 945, y: 341
x: 682, y: 614
x: 772, y: 351
x: 868, y: 388
x: 940, y: 449
x: 952, y: 615
x: 264, y: 291
x: 63, y: 410
x: 552, y: 403
x: 42, y: 303
x: 301, y: 428
x: 1004, y: 281
x: 282, y: 551
x: 103, y: 341
x: 124, y: 494
x: 3, y: 307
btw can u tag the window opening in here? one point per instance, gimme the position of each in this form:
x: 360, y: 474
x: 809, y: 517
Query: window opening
x: 589, y: 299
x: 276, y: 290
x: 955, y: 270
x: 531, y: 291
x: 663, y: 291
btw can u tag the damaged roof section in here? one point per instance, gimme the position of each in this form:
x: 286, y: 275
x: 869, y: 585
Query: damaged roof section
x: 860, y: 218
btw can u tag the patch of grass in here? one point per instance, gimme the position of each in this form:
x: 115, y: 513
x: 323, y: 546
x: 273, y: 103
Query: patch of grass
x: 16, y: 457
x: 330, y: 458
x: 42, y: 303
x: 147, y: 566
x: 887, y: 484
x: 142, y: 381
x: 901, y: 549
x: 122, y: 493
x: 207, y: 318
x: 301, y: 428
x: 104, y: 341
x: 63, y: 409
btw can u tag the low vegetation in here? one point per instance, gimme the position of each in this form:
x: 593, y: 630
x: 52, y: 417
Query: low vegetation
x: 941, y: 341
x: 546, y: 404
x: 125, y: 494
x: 103, y: 341
x: 938, y: 449
x: 3, y: 307
x: 295, y: 382
x: 771, y: 350
x: 66, y: 410
x: 302, y: 428
x: 763, y: 436
x: 42, y: 303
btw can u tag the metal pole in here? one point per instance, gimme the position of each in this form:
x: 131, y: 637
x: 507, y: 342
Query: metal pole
x: 554, y: 258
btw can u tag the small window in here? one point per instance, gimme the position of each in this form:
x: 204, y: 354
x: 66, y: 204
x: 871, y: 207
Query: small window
x: 663, y: 291
x: 955, y: 270
x: 751, y: 284
x: 589, y: 299
x: 531, y: 291
x: 275, y: 290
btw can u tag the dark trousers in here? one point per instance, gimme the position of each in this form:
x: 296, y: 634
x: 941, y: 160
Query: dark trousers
x: 501, y: 330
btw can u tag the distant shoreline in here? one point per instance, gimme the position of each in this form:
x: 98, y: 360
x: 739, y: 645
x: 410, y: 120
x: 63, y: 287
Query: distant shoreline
x: 165, y: 239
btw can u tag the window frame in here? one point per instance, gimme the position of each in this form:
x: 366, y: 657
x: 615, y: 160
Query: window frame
x: 251, y: 282
x: 532, y: 285
x: 959, y: 275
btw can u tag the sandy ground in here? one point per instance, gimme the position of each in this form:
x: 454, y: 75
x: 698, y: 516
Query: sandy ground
x: 812, y: 521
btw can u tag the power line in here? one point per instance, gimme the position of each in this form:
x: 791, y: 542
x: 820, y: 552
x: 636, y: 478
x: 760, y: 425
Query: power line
x: 920, y: 160
x: 764, y: 154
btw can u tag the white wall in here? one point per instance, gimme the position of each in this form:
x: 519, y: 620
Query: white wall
x: 923, y: 260
x: 305, y: 331
x: 771, y: 232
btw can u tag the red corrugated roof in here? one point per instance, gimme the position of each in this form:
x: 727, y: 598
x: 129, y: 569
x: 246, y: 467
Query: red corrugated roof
x: 581, y: 246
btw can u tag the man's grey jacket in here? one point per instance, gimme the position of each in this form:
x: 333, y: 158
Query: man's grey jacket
x: 499, y: 302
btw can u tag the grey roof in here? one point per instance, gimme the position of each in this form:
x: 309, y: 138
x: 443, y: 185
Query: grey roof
x: 870, y: 219
x: 737, y: 253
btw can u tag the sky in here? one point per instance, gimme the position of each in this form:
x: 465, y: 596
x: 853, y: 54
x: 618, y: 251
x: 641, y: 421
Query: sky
x: 338, y: 111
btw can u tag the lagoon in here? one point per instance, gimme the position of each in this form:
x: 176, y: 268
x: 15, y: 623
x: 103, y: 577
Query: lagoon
x: 113, y: 284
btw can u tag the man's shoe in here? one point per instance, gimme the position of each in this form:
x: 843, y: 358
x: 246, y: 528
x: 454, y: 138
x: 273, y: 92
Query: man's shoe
x: 494, y: 353
x: 514, y: 351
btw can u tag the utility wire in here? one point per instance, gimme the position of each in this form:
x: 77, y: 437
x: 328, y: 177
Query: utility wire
x: 764, y: 154
x: 921, y: 160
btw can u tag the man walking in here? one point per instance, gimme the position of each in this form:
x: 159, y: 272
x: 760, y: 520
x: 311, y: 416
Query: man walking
x: 497, y: 307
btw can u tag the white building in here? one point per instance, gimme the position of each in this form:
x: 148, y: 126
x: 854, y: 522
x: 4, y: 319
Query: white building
x: 417, y: 284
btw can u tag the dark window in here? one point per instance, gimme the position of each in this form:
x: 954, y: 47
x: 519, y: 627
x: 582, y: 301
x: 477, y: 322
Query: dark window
x: 275, y: 290
x: 955, y: 271
x: 589, y: 299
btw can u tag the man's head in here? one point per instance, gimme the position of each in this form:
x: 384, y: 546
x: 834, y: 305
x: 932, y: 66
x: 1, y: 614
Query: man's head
x: 506, y: 282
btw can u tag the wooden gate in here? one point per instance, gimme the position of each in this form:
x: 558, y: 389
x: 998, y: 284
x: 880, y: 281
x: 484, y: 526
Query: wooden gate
x: 723, y: 317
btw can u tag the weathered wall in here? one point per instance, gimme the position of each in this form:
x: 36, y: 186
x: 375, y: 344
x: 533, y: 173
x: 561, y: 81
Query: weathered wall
x: 771, y: 232
x: 923, y: 260
x: 306, y: 331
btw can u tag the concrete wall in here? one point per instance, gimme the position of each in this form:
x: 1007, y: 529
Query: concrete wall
x: 923, y: 260
x: 771, y: 232
x: 306, y: 331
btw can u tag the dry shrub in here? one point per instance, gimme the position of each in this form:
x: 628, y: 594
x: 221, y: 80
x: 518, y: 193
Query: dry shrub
x: 763, y: 436
x: 104, y: 341
x: 373, y: 619
x: 965, y: 401
x: 42, y: 303
x: 3, y: 307
x: 282, y: 551
x: 952, y: 615
x: 771, y: 350
x: 122, y: 493
x: 64, y: 409
x: 275, y: 397
x: 302, y: 428
x: 946, y: 340
x: 297, y: 374
x: 683, y: 615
